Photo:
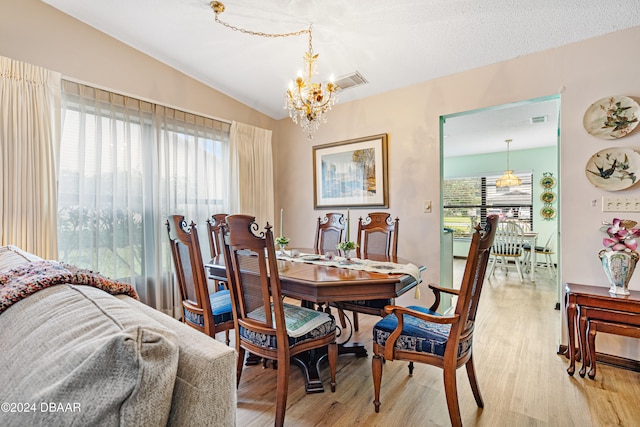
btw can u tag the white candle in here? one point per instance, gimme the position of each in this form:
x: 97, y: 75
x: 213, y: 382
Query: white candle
x: 348, y: 221
x: 281, y: 222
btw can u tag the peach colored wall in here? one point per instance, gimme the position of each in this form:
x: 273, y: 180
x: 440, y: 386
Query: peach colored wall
x: 582, y: 73
x: 35, y: 32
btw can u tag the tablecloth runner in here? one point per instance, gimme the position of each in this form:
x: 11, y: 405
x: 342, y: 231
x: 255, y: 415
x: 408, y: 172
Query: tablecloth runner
x: 354, y: 264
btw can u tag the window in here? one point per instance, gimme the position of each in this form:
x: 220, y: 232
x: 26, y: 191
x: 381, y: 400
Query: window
x: 468, y: 201
x: 125, y: 166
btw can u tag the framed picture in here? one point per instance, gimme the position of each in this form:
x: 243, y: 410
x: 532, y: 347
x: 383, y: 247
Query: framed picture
x: 351, y: 173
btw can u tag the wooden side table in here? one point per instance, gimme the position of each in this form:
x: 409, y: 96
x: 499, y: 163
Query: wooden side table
x: 609, y: 321
x: 580, y: 299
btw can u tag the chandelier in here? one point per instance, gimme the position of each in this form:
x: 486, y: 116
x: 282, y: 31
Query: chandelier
x: 307, y: 102
x: 508, y: 179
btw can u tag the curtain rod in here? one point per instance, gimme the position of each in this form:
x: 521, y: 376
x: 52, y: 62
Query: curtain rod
x: 82, y: 82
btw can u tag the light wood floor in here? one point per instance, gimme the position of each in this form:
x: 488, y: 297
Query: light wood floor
x: 522, y: 379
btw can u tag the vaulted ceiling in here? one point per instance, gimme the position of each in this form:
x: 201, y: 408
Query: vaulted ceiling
x: 392, y: 44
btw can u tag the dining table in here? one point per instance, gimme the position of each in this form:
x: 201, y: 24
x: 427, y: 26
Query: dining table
x: 318, y: 280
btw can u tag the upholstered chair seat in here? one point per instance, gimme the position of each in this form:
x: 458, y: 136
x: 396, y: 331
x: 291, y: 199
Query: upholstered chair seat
x: 303, y: 324
x: 418, y: 335
x: 220, y: 308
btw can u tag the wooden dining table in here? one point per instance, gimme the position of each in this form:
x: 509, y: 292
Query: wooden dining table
x: 317, y: 284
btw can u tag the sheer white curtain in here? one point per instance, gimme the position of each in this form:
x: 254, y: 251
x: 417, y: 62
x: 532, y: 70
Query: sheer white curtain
x: 126, y: 165
x: 251, y: 174
x: 29, y: 138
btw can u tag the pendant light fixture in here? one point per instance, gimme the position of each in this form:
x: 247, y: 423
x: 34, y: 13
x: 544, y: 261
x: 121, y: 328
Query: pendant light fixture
x: 508, y: 179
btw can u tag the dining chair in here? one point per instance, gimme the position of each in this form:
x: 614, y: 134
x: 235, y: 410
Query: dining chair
x: 546, y: 251
x: 419, y: 334
x: 208, y: 313
x: 377, y: 235
x: 213, y: 229
x: 508, y: 245
x: 329, y: 232
x: 265, y: 325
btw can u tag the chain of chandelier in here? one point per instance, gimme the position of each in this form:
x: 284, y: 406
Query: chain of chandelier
x: 307, y: 102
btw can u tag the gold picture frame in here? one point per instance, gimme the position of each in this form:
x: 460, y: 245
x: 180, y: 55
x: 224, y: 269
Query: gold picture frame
x: 351, y: 173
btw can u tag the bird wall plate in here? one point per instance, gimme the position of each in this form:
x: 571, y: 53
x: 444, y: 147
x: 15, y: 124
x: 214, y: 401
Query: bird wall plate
x: 612, y: 117
x: 613, y: 169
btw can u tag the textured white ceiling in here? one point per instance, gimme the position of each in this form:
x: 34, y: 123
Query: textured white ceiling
x: 392, y: 44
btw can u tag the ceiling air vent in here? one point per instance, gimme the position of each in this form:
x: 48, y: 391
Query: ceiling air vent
x: 538, y: 119
x: 351, y: 80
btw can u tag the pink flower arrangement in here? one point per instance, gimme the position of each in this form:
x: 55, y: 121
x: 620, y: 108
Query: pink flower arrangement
x: 621, y: 235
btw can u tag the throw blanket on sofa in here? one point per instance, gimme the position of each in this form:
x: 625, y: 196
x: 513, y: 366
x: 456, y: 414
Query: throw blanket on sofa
x: 20, y: 282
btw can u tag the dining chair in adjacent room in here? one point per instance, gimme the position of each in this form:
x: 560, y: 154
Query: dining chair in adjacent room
x: 213, y: 228
x: 377, y: 236
x: 329, y: 232
x: 266, y: 326
x: 546, y: 251
x: 207, y: 312
x: 420, y: 334
x: 508, y: 245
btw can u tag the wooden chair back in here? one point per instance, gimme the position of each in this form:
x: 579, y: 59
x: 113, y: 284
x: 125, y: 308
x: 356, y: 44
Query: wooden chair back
x: 329, y: 232
x: 377, y: 235
x: 213, y: 228
x: 252, y: 273
x: 474, y: 273
x: 190, y: 274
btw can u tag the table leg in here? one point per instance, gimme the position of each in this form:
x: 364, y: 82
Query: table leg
x: 571, y: 324
x: 309, y: 362
x: 582, y: 342
x: 534, y: 261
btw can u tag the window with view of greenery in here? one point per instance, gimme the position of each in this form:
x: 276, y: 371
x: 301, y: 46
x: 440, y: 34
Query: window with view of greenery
x: 126, y: 164
x: 468, y: 201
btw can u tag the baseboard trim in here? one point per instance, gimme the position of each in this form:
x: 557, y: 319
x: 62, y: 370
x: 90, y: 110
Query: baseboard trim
x: 609, y: 359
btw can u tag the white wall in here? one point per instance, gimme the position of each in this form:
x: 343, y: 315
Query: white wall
x: 581, y: 73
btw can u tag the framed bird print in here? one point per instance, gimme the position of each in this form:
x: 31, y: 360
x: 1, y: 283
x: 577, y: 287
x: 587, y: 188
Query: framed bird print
x: 613, y: 169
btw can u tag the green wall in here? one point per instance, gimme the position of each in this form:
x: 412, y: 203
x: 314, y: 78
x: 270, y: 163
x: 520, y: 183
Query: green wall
x: 537, y: 161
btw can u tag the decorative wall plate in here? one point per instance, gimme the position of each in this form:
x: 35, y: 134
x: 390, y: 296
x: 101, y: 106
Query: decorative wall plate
x: 548, y: 182
x: 548, y: 212
x: 548, y: 197
x: 612, y: 117
x: 613, y: 169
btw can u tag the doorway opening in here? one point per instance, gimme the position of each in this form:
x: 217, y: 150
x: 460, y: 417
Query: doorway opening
x: 475, y: 154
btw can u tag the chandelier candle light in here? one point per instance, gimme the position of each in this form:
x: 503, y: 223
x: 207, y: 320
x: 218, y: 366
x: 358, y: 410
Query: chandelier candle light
x: 306, y: 101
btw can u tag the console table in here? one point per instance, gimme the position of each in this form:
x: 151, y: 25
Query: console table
x: 596, y: 307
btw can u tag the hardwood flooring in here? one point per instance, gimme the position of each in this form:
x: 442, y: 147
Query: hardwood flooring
x: 522, y: 379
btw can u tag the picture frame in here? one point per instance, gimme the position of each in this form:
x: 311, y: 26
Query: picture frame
x: 352, y: 173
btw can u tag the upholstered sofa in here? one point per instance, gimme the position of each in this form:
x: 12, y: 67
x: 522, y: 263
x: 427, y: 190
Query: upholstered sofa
x: 76, y: 355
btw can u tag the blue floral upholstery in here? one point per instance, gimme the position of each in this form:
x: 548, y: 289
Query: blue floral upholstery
x: 320, y: 323
x: 220, y: 306
x: 417, y: 335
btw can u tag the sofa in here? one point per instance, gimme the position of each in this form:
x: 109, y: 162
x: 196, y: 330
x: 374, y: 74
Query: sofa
x: 77, y: 355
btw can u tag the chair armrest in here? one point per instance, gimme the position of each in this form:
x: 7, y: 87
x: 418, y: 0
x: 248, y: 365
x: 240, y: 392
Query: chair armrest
x: 437, y: 288
x: 399, y: 311
x: 436, y: 292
